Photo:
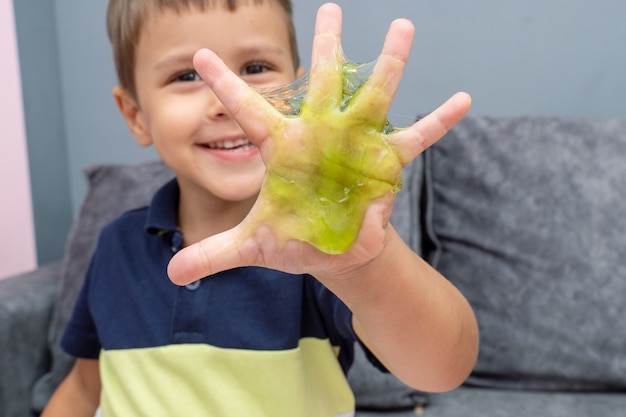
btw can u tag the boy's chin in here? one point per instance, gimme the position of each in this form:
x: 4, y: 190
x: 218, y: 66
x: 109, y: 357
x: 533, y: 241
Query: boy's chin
x: 239, y: 193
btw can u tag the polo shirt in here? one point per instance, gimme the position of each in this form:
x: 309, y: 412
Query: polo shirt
x: 244, y: 342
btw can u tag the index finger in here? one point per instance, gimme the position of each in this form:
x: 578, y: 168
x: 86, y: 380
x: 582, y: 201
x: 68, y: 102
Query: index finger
x: 253, y: 112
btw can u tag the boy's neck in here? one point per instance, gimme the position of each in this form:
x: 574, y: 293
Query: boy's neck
x: 200, y: 217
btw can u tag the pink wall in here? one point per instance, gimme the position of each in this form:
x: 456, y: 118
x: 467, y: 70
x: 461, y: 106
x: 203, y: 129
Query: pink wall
x: 17, y: 246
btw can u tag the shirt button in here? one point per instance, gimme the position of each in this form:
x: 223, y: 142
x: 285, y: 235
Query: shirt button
x: 176, y: 241
x: 192, y: 286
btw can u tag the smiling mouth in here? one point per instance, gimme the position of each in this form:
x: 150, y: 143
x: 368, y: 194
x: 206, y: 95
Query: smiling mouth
x: 239, y: 145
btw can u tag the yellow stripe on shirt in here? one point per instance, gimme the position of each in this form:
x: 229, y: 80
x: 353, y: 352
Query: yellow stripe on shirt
x: 196, y: 380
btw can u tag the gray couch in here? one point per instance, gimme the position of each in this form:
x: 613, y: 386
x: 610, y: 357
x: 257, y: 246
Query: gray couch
x: 527, y: 216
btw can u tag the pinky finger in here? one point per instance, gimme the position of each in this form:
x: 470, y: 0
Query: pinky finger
x: 413, y: 140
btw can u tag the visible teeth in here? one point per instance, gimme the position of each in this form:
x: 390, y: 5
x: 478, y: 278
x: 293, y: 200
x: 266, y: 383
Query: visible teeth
x: 230, y: 144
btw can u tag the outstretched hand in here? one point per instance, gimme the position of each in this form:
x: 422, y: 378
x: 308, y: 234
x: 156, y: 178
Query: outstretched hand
x: 332, y: 171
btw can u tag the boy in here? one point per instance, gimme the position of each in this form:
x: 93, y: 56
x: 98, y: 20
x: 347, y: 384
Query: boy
x: 248, y: 340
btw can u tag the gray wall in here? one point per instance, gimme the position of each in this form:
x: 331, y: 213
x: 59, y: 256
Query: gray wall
x: 536, y: 57
x: 45, y: 125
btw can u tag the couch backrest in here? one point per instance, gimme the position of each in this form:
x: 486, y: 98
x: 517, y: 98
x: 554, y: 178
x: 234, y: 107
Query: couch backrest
x: 527, y: 217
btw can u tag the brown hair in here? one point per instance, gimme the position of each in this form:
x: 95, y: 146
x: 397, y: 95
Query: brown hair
x: 126, y: 17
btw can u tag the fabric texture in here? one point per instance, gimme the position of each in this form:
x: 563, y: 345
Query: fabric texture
x: 526, y: 217
x: 25, y: 310
x: 479, y: 402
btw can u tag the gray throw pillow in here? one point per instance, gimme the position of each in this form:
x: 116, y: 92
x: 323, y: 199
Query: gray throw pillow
x: 113, y: 189
x: 527, y: 217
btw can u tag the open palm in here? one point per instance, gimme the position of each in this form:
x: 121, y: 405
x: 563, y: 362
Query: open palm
x: 332, y: 169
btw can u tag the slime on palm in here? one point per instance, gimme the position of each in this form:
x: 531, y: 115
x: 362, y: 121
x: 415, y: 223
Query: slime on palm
x: 321, y: 184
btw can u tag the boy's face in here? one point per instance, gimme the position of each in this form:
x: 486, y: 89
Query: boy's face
x: 191, y: 130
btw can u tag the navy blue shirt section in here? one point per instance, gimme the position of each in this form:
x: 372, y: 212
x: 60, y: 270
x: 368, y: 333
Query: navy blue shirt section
x: 128, y: 301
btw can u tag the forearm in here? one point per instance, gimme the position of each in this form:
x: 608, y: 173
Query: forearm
x: 417, y: 323
x: 79, y: 394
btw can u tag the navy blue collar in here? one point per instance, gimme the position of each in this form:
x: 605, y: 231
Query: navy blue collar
x: 163, y: 209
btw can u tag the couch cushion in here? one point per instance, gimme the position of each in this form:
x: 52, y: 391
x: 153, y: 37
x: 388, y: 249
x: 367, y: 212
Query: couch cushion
x: 480, y: 402
x: 26, y: 302
x: 526, y: 217
x: 114, y: 189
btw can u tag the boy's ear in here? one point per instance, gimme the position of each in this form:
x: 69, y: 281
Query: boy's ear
x: 132, y: 113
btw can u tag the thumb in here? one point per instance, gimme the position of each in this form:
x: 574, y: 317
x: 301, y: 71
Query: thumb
x: 210, y: 256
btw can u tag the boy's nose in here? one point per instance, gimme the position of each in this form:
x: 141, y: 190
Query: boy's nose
x: 215, y: 109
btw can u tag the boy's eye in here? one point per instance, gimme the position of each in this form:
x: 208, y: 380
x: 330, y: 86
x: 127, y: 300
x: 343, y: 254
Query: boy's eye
x: 187, y: 76
x: 254, y: 68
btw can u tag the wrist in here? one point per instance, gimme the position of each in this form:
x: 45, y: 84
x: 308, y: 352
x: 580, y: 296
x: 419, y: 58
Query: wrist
x: 376, y: 278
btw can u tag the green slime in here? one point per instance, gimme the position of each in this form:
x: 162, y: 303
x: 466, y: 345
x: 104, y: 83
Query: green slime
x: 317, y: 188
